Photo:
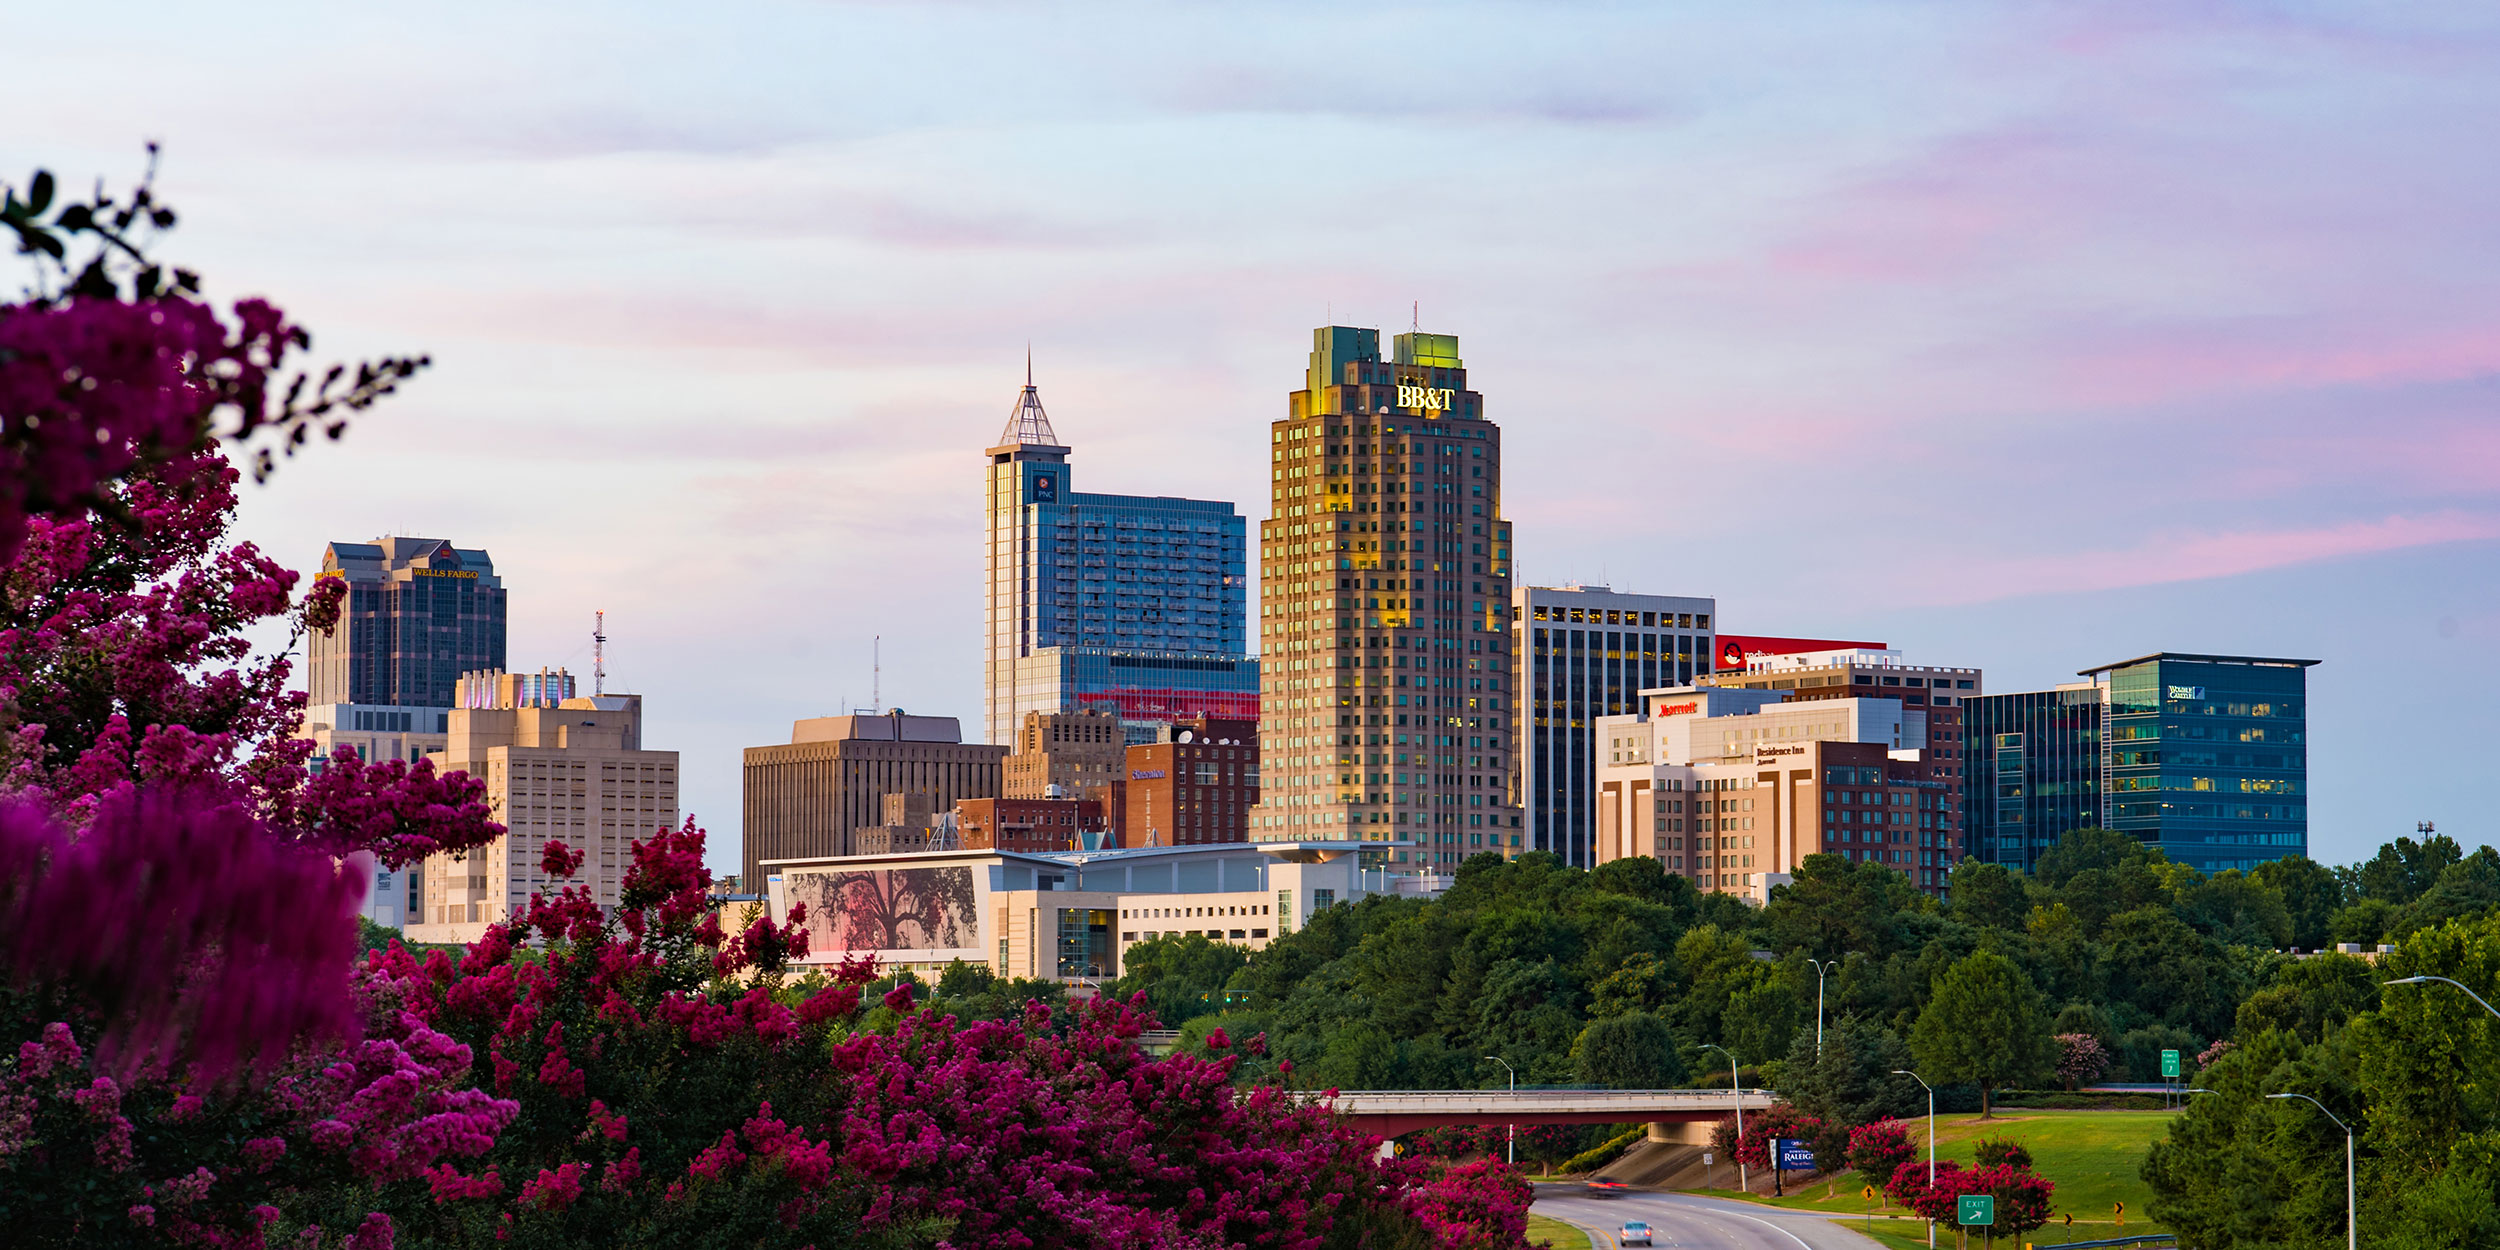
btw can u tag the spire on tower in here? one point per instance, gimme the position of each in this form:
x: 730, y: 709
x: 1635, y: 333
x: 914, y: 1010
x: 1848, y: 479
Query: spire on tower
x: 1028, y: 424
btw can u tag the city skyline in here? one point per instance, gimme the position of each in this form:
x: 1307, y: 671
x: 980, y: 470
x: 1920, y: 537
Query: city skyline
x: 2077, y: 303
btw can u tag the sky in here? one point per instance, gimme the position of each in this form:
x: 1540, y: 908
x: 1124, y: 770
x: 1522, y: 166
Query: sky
x: 2029, y: 336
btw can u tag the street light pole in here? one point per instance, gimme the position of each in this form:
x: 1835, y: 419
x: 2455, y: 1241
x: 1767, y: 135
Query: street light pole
x: 1511, y: 1155
x: 2352, y: 1231
x: 1821, y: 966
x: 2445, y: 981
x: 1931, y: 1138
x: 1735, y: 1089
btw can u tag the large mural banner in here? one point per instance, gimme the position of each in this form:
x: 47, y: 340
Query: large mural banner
x: 887, y: 909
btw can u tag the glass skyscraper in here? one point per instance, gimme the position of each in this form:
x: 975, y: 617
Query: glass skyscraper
x: 2204, y: 756
x: 1581, y: 652
x: 1130, y: 601
x: 2207, y: 756
x: 2032, y: 770
x: 419, y: 612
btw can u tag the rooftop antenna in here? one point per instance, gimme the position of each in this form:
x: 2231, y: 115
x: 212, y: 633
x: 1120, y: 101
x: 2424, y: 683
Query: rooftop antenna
x: 599, y: 653
x: 876, y: 673
x: 1418, y: 313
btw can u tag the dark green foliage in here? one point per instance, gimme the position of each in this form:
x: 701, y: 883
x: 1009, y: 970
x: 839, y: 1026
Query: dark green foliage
x: 1984, y: 1025
x: 1849, y: 1079
x: 2000, y: 1152
x: 1987, y: 895
x: 1631, y: 1051
x: 2402, y: 871
x: 2310, y: 893
x: 1183, y: 977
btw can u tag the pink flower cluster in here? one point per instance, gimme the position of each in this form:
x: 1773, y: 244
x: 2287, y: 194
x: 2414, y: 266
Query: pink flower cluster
x: 2022, y: 1196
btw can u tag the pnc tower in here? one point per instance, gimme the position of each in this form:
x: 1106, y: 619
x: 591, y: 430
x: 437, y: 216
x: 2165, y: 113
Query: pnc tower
x: 1132, y: 604
x: 1385, y: 570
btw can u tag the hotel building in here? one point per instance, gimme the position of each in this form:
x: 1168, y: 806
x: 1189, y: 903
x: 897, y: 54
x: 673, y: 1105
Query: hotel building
x: 1127, y: 602
x: 1387, y: 697
x: 1196, y: 786
x: 1579, y: 653
x: 1734, y: 787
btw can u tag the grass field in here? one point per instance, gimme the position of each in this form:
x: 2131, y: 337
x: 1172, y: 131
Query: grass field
x: 1546, y: 1230
x: 2091, y: 1156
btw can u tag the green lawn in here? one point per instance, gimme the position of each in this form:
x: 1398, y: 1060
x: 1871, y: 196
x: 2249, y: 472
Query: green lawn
x: 2091, y: 1156
x: 1547, y: 1230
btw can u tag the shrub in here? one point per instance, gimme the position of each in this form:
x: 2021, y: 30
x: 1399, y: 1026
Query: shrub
x: 2001, y: 1152
x: 1878, y: 1150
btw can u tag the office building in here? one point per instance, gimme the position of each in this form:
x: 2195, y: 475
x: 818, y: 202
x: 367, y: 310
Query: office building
x: 1579, y: 653
x: 1065, y: 755
x: 375, y: 733
x: 1064, y: 915
x: 1195, y: 786
x: 2208, y: 756
x: 418, y: 613
x: 1733, y: 787
x: 1385, y: 564
x: 1132, y: 603
x: 1873, y: 671
x: 2033, y: 769
x: 806, y: 797
x: 574, y: 772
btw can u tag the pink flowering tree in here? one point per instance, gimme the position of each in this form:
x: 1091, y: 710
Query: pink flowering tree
x: 1877, y: 1150
x: 2081, y: 1059
x: 191, y: 1055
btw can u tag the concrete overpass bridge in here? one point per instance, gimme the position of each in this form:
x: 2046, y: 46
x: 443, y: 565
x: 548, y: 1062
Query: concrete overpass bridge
x: 1395, y: 1112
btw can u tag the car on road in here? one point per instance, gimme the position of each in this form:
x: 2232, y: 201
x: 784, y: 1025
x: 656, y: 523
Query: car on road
x: 1606, y: 1189
x: 1633, y: 1233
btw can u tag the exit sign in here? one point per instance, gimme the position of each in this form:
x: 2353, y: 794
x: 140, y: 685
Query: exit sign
x: 2170, y: 1065
x: 1976, y: 1211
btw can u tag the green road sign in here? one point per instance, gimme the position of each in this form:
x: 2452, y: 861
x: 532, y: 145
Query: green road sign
x: 1976, y: 1211
x: 2170, y: 1064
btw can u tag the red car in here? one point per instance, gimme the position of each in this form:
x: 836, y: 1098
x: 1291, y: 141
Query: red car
x: 1606, y: 1189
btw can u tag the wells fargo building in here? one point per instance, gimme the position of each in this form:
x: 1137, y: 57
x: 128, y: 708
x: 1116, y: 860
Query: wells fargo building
x: 1384, y: 615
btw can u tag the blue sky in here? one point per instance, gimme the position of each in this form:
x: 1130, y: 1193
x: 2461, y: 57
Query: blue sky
x: 2029, y: 336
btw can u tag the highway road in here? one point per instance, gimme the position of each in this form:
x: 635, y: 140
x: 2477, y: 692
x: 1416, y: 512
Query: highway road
x: 1685, y: 1222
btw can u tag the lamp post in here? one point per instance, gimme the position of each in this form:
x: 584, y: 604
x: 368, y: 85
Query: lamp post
x: 2352, y: 1232
x: 1931, y: 1137
x: 2445, y: 981
x: 1511, y: 1153
x: 1735, y: 1089
x: 1821, y: 966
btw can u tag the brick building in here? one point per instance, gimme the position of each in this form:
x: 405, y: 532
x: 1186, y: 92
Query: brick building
x: 1196, y: 786
x: 1039, y: 825
x: 1079, y: 752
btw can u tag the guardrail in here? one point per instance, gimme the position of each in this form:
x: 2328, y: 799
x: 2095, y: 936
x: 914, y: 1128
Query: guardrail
x: 2149, y: 1241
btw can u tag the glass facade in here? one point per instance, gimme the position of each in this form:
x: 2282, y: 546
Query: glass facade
x: 2032, y: 771
x: 1134, y: 600
x: 2208, y: 757
x: 418, y: 614
x: 1582, y: 654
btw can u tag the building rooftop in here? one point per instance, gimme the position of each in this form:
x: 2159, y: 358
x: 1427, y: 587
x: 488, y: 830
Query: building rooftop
x: 2192, y: 657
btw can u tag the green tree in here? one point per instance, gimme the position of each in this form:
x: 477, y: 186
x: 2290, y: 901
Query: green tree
x: 2402, y: 870
x: 2311, y: 895
x: 1983, y: 1024
x: 1645, y: 982
x: 1182, y: 977
x: 1834, y: 905
x: 2238, y: 909
x: 1849, y: 1080
x: 1763, y: 1019
x: 1988, y: 895
x: 1631, y: 1051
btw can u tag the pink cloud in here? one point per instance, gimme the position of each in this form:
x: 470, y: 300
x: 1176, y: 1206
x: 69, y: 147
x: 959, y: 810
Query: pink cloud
x: 2184, y: 557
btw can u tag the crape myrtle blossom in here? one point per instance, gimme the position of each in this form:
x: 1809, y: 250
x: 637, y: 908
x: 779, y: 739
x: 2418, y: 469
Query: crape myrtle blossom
x: 191, y: 1052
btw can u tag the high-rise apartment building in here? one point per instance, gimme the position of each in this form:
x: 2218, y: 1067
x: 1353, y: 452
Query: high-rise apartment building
x: 1065, y: 755
x: 804, y: 799
x: 1578, y: 653
x: 1385, y: 567
x: 1129, y: 602
x: 419, y: 612
x: 573, y: 771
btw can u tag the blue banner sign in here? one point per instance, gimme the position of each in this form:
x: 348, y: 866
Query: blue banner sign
x: 1793, y: 1155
